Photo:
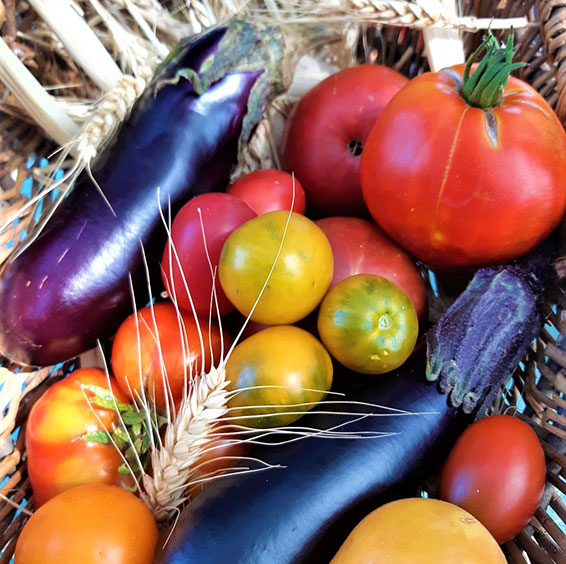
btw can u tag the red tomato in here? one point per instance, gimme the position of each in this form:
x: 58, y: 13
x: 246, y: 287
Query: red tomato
x: 221, y: 214
x: 92, y: 524
x: 326, y: 131
x: 269, y: 190
x: 167, y: 351
x: 496, y: 471
x: 359, y: 247
x: 57, y: 457
x: 458, y: 186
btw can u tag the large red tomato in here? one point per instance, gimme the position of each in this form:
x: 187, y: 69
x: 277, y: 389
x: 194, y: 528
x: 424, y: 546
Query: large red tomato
x: 497, y: 472
x: 186, y: 259
x: 91, y: 524
x: 57, y: 457
x: 457, y: 185
x: 269, y: 190
x: 360, y: 247
x: 171, y: 350
x: 326, y: 132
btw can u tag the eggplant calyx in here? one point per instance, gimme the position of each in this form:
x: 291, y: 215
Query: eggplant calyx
x: 480, y: 339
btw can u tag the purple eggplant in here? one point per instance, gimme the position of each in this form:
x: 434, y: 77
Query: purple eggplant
x: 70, y: 287
x: 301, y: 513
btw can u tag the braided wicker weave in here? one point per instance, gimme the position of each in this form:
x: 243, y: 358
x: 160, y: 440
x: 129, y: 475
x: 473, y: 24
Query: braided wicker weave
x: 537, y: 390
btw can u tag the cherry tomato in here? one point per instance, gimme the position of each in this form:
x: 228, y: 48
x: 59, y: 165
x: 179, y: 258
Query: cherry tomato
x: 57, y: 457
x: 360, y: 247
x: 419, y: 531
x: 458, y: 186
x: 326, y: 131
x: 283, y: 370
x: 170, y: 353
x: 92, y: 524
x: 497, y: 472
x: 301, y: 275
x: 368, y: 324
x: 269, y: 190
x: 185, y: 259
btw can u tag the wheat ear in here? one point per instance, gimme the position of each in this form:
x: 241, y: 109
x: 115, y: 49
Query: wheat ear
x: 392, y: 12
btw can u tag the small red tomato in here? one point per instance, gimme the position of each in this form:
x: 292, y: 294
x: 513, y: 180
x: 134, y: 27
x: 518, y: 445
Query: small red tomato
x: 57, y: 458
x: 91, y: 524
x: 496, y: 471
x: 269, y: 190
x: 170, y: 349
x: 186, y: 260
x: 326, y: 132
x: 360, y: 247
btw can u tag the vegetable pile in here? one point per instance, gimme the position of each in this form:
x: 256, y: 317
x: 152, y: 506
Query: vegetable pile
x: 279, y: 379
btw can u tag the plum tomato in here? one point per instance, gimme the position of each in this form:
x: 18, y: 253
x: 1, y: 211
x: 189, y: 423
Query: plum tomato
x: 57, y: 457
x: 299, y: 279
x: 90, y: 524
x: 170, y: 349
x: 185, y: 261
x: 419, y: 531
x: 282, y: 370
x: 497, y: 472
x: 361, y: 247
x: 326, y: 132
x: 269, y: 190
x: 368, y: 324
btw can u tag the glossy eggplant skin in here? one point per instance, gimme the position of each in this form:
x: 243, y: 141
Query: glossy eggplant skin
x: 303, y: 512
x: 71, y: 286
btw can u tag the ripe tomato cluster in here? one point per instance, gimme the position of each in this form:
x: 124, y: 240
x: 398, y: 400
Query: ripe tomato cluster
x: 321, y: 259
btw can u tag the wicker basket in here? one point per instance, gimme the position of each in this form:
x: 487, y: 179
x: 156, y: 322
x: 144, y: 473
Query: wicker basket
x: 536, y: 391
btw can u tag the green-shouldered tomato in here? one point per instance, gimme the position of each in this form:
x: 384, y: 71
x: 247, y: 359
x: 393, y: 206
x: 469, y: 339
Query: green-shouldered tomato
x: 368, y: 324
x: 283, y: 371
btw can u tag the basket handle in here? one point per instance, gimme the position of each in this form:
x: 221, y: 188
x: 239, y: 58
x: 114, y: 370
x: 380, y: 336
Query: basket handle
x: 553, y: 27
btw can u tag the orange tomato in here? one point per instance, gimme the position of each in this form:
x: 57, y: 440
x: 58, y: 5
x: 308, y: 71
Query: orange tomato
x: 92, y: 524
x: 419, y: 531
x: 170, y: 350
x: 57, y: 458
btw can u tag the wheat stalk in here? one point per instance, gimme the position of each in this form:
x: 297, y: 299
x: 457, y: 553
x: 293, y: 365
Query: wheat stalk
x: 391, y: 12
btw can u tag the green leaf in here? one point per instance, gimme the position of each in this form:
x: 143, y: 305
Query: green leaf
x: 96, y: 437
x: 133, y: 417
x: 123, y: 470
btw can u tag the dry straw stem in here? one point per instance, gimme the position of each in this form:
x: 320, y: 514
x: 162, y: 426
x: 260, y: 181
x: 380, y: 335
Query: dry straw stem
x: 394, y: 13
x: 42, y: 108
x: 80, y: 41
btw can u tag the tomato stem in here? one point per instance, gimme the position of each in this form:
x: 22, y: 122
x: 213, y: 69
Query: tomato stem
x: 484, y: 88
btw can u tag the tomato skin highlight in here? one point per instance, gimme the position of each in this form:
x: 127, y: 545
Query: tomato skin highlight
x: 301, y: 275
x: 368, y: 324
x: 419, y: 531
x: 57, y: 459
x: 176, y: 354
x: 275, y: 369
x: 269, y: 190
x: 456, y: 192
x: 221, y: 214
x: 361, y: 247
x: 497, y: 472
x: 316, y: 141
x: 91, y: 524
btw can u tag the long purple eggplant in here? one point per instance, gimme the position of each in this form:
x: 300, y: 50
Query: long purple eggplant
x: 301, y: 513
x: 71, y: 286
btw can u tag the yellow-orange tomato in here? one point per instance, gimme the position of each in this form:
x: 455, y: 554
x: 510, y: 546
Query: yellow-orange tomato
x: 282, y: 370
x: 57, y: 457
x: 301, y: 276
x: 419, y: 531
x: 92, y: 524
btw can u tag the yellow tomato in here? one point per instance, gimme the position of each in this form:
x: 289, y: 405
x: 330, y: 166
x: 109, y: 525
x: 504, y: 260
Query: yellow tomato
x: 419, y: 531
x: 302, y: 272
x: 283, y: 370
